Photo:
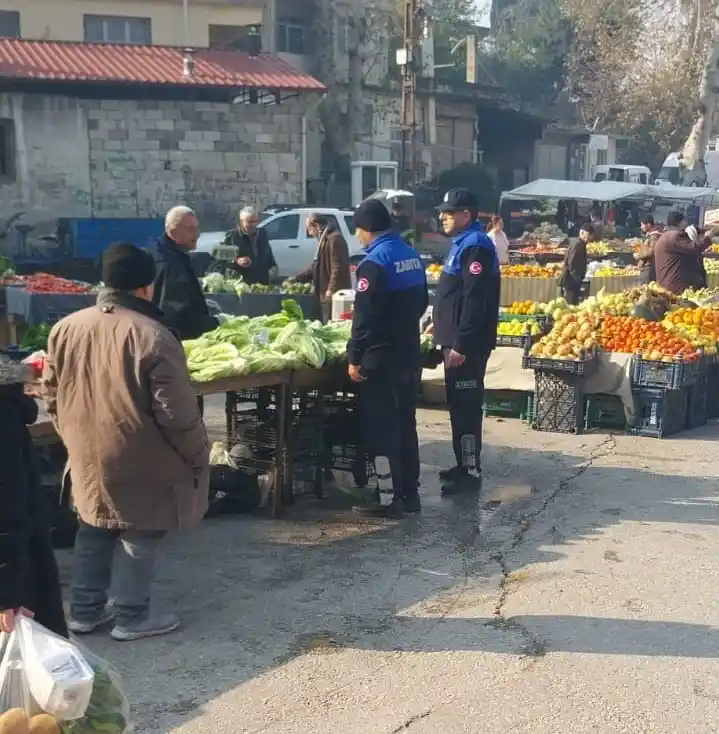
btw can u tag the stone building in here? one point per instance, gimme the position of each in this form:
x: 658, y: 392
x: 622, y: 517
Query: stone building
x: 93, y: 130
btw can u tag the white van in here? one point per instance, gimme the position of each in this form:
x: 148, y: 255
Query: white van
x: 670, y: 173
x: 626, y: 174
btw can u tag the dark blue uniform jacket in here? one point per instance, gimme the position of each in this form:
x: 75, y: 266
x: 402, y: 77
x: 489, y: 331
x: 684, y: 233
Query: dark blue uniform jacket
x: 390, y: 299
x: 467, y: 307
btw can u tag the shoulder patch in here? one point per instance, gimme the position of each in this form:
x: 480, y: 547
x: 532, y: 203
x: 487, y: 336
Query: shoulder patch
x: 475, y: 268
x: 362, y: 285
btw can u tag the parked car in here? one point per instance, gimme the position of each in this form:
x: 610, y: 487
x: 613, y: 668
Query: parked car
x: 294, y: 250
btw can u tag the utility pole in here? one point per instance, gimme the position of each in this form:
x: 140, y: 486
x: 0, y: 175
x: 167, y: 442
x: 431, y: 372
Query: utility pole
x: 408, y: 60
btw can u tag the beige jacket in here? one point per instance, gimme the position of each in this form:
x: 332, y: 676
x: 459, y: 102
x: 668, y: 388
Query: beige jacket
x: 117, y: 386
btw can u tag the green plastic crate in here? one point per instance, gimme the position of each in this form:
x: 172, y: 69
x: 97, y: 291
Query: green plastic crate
x: 507, y: 403
x: 603, y: 411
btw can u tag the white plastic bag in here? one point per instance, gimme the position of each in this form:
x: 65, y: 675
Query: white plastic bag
x: 44, y: 675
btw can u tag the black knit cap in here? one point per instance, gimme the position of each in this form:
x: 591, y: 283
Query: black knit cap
x: 372, y: 216
x: 127, y: 268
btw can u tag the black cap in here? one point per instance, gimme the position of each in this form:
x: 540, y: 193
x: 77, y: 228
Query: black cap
x: 127, y: 268
x: 372, y: 216
x: 457, y: 200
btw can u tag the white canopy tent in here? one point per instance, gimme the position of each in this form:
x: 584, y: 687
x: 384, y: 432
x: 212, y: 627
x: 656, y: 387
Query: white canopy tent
x: 548, y: 188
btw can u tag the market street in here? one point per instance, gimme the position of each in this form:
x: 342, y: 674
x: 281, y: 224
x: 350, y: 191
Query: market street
x: 581, y: 597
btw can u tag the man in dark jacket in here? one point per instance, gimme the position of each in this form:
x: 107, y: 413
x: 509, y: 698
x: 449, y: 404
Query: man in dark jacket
x: 329, y: 272
x: 178, y: 293
x: 465, y: 327
x: 384, y: 355
x: 255, y: 261
x: 645, y: 256
x: 29, y: 578
x: 678, y: 257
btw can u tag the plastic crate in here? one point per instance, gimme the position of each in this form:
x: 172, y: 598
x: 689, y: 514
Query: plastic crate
x: 668, y: 375
x: 558, y: 405
x: 542, y: 319
x: 15, y: 353
x: 507, y: 403
x: 659, y: 412
x: 578, y: 367
x: 697, y: 400
x: 523, y: 341
x: 713, y: 391
x: 604, y: 411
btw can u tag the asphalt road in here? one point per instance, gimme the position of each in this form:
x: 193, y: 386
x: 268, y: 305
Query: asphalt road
x: 578, y: 595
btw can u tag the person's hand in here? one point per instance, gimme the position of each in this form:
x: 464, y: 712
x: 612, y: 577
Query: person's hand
x: 453, y: 359
x: 355, y: 373
x: 244, y: 262
x: 429, y: 331
x: 7, y: 618
x: 328, y: 295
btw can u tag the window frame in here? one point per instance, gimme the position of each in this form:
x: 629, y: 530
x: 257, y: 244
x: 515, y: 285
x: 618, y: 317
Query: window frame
x: 127, y: 21
x: 8, y: 150
x: 15, y: 16
x: 279, y: 218
x: 282, y: 36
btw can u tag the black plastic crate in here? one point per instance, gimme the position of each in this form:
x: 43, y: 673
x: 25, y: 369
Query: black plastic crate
x: 697, y: 400
x: 542, y: 319
x: 15, y: 353
x: 604, y: 411
x: 558, y: 405
x: 585, y: 367
x: 523, y: 341
x: 668, y: 375
x: 659, y: 412
x: 507, y: 403
x: 713, y: 391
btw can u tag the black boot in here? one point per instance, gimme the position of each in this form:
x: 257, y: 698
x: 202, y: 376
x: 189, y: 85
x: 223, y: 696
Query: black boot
x: 462, y: 482
x: 374, y: 508
x: 412, y: 503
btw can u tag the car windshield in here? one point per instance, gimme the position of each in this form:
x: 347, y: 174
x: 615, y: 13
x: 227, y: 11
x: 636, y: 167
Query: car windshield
x: 350, y: 222
x: 669, y: 173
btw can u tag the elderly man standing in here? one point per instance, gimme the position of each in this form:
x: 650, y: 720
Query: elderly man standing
x: 255, y: 261
x: 117, y: 387
x: 178, y: 293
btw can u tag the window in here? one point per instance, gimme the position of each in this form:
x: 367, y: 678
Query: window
x: 9, y: 24
x: 601, y: 157
x: 283, y: 228
x: 7, y: 149
x: 117, y: 29
x: 291, y: 37
x: 342, y: 35
x: 350, y: 222
x: 236, y: 38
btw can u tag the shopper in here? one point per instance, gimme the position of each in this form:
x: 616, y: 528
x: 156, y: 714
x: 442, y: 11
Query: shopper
x: 117, y: 387
x: 678, y: 257
x: 255, y: 261
x: 497, y: 235
x: 465, y: 327
x: 29, y: 579
x: 574, y: 267
x: 384, y: 355
x: 645, y: 256
x: 177, y: 292
x: 329, y: 271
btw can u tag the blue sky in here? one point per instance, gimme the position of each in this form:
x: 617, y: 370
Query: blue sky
x: 483, y: 7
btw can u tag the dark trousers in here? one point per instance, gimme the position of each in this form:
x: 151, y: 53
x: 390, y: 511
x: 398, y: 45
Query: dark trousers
x: 326, y: 311
x: 388, y: 412
x: 464, y: 386
x: 571, y: 295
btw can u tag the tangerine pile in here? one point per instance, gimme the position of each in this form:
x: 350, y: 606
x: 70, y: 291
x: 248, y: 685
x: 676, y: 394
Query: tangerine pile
x: 527, y: 271
x: 706, y: 320
x: 628, y: 334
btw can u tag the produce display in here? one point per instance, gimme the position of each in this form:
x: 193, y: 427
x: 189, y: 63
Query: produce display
x: 544, y: 233
x: 543, y: 250
x: 528, y: 271
x: 572, y: 337
x: 518, y: 328
x: 599, y: 249
x: 711, y: 265
x: 629, y: 335
x: 523, y: 308
x: 434, y: 271
x: 35, y: 337
x: 612, y: 272
x: 218, y: 283
x: 700, y: 326
x: 45, y: 283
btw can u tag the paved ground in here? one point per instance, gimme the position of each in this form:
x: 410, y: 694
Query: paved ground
x: 580, y: 596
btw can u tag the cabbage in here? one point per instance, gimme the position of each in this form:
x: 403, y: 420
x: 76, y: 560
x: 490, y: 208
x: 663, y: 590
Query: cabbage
x: 217, y: 370
x: 213, y: 283
x: 292, y: 309
x: 266, y: 360
x: 203, y: 355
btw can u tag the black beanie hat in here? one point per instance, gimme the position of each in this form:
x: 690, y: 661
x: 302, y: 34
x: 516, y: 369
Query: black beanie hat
x: 127, y: 268
x: 372, y: 216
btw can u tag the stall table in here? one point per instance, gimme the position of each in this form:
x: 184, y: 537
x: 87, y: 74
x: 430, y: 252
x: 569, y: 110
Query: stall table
x: 539, y: 290
x: 613, y: 283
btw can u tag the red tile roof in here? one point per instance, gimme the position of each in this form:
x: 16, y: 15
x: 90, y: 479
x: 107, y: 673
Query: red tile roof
x: 129, y: 64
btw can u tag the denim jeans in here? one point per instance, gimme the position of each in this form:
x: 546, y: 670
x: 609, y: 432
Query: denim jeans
x: 134, y: 556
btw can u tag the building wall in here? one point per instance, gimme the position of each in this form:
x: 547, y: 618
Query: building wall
x: 115, y: 158
x: 62, y: 20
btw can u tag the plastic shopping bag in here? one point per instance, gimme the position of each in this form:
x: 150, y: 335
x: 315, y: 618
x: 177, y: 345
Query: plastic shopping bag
x: 49, y: 685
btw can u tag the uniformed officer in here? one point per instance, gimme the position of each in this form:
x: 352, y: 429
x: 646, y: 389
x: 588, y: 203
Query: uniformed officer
x: 465, y: 326
x: 384, y: 354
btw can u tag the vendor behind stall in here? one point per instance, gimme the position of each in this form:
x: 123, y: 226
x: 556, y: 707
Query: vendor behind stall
x: 255, y: 261
x: 645, y: 256
x: 574, y: 267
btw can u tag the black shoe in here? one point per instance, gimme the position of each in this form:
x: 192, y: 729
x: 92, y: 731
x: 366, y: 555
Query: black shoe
x: 393, y: 511
x: 462, y: 484
x: 448, y: 475
x: 412, y: 504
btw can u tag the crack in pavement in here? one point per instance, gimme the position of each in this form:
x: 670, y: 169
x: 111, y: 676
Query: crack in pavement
x: 412, y: 720
x: 533, y: 647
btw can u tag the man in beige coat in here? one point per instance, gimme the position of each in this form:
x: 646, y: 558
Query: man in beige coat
x: 117, y: 386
